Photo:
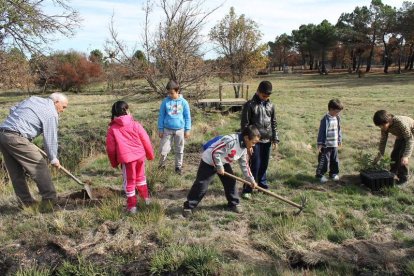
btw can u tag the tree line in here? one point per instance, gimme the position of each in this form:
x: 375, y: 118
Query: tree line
x: 174, y: 49
x: 378, y: 34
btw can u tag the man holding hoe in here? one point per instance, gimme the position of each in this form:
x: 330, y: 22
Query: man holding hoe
x: 27, y: 120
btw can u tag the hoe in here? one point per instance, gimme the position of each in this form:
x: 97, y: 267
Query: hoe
x: 86, y: 186
x: 300, y: 207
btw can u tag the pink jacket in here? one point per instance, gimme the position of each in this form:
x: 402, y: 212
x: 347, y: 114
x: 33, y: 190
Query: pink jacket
x: 127, y: 141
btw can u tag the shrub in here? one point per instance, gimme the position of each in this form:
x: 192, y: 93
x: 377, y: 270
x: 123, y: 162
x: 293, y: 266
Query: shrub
x: 365, y: 162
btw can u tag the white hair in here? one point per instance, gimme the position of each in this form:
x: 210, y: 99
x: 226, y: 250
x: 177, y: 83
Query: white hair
x: 58, y: 97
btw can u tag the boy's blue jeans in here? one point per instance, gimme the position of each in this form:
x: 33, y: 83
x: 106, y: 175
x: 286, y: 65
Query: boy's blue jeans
x: 259, y: 161
x: 328, y: 158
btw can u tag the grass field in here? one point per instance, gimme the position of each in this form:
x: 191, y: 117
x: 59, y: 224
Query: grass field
x: 345, y: 229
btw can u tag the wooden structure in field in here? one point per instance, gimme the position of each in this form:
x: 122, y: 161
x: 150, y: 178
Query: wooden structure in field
x: 224, y: 102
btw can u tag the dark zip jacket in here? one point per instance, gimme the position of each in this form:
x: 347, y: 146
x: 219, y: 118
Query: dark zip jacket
x: 263, y: 116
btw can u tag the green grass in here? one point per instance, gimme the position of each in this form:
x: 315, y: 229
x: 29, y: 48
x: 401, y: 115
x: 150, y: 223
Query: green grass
x: 267, y: 239
x: 185, y: 260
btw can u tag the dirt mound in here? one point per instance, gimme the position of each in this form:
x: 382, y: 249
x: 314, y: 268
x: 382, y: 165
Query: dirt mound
x: 81, y: 199
x: 98, y: 193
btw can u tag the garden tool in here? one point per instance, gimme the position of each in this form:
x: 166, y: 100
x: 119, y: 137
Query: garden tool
x: 300, y: 207
x: 86, y: 186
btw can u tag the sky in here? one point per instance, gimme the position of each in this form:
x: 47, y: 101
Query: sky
x: 274, y: 18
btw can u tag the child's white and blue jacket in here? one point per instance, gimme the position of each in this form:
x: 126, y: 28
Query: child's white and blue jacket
x: 226, y: 150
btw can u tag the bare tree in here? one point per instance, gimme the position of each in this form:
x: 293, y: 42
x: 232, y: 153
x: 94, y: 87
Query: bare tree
x: 174, y: 51
x: 24, y: 24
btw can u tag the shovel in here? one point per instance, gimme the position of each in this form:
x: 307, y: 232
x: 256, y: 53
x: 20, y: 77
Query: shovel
x: 300, y: 207
x: 86, y: 186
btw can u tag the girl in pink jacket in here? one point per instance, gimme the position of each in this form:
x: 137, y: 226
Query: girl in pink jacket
x: 128, y: 144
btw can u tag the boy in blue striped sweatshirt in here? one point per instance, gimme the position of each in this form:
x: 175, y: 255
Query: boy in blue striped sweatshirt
x: 329, y: 139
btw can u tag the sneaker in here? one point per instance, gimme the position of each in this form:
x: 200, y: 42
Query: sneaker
x: 178, y: 171
x: 323, y: 179
x: 147, y: 201
x: 236, y: 208
x: 335, y: 177
x: 133, y: 210
x: 247, y: 196
x: 187, y: 212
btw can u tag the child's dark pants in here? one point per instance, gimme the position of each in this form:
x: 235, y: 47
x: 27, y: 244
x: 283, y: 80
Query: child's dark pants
x: 328, y: 157
x: 396, y: 167
x: 259, y: 161
x: 205, y: 175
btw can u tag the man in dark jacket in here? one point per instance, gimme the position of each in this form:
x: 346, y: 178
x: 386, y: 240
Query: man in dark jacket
x: 259, y: 111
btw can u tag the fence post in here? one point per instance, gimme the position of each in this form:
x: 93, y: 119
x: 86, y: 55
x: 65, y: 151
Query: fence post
x: 220, y: 92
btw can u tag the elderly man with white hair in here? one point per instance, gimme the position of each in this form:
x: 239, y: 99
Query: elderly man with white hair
x: 27, y: 120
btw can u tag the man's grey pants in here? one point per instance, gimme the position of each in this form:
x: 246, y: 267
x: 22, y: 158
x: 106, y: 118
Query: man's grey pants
x: 21, y: 156
x: 168, y: 137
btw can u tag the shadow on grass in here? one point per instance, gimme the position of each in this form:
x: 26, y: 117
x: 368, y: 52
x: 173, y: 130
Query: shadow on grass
x: 7, y: 209
x: 348, y: 184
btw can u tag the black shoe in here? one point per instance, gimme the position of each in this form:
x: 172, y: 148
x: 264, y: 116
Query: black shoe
x: 178, y: 171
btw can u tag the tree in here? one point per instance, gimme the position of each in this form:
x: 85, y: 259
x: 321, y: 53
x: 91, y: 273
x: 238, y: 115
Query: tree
x: 353, y: 30
x: 96, y: 56
x: 387, y: 30
x: 71, y: 70
x: 280, y: 50
x: 302, y: 42
x: 15, y: 70
x: 139, y: 55
x: 238, y: 42
x: 406, y: 28
x: 24, y: 24
x: 323, y: 38
x: 174, y: 51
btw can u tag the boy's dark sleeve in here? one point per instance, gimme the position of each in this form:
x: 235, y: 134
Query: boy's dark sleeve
x: 322, y: 132
x: 275, y: 135
x: 339, y: 130
x: 246, y: 116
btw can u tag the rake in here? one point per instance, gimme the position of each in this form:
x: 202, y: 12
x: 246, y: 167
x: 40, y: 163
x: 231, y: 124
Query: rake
x: 85, y: 185
x: 300, y: 207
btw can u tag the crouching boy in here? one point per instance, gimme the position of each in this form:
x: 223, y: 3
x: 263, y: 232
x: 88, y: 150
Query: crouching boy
x: 217, y: 159
x: 403, y: 128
